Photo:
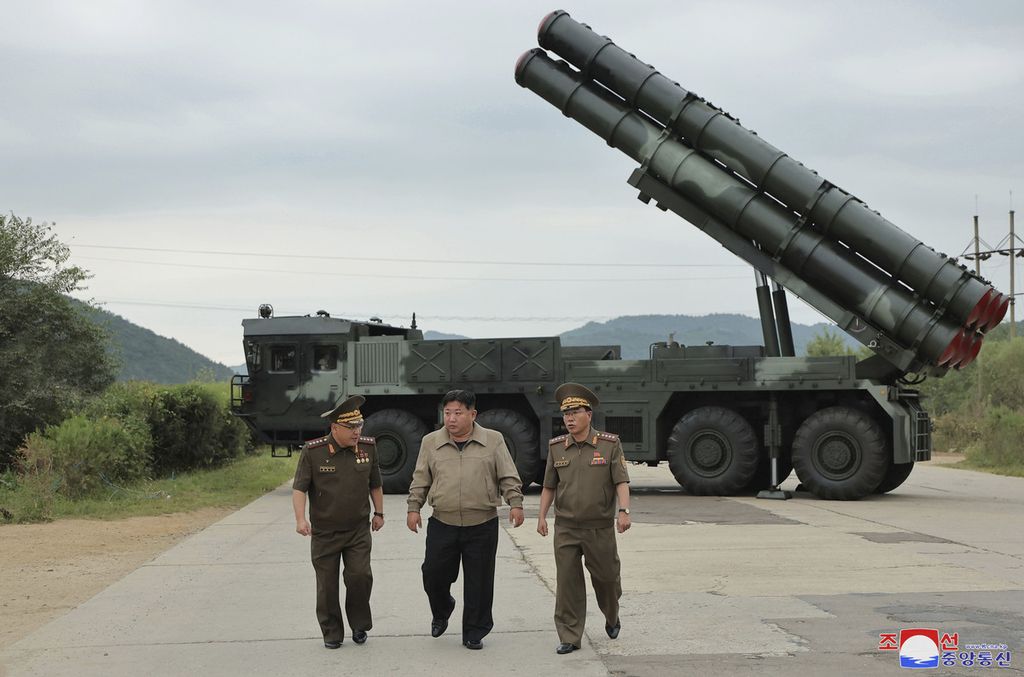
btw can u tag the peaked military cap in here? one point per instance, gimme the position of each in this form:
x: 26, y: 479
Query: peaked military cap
x: 346, y: 412
x: 573, y: 395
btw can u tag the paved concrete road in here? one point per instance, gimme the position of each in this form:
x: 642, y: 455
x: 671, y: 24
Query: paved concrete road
x: 711, y: 585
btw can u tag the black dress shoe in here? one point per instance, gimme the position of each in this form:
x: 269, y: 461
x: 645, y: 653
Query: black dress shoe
x: 613, y: 630
x: 565, y: 647
x: 475, y: 645
x: 332, y: 643
x: 439, y: 625
x: 359, y: 636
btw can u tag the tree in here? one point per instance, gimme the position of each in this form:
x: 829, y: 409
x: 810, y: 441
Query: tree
x: 51, y: 355
x: 828, y: 344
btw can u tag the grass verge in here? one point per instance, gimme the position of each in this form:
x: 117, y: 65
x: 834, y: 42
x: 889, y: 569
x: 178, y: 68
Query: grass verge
x: 230, y: 486
x: 1006, y: 470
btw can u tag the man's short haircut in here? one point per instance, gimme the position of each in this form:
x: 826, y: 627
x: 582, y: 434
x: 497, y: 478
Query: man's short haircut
x: 463, y: 397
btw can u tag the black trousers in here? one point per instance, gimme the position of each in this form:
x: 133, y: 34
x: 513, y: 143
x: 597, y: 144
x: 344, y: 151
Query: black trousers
x: 476, y: 547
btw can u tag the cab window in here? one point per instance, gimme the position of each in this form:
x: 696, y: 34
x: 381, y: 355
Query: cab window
x: 325, y: 358
x: 282, y: 358
x: 253, y: 356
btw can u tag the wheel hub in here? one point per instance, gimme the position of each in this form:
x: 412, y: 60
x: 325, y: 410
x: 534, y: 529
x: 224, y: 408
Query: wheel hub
x: 389, y: 452
x: 837, y: 455
x: 709, y: 453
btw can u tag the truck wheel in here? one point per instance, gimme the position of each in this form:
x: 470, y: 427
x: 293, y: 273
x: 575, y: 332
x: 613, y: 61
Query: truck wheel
x: 840, y: 453
x: 896, y: 475
x: 398, y: 435
x: 712, y: 451
x: 520, y: 437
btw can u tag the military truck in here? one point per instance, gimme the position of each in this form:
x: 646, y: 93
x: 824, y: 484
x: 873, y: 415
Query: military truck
x: 726, y: 419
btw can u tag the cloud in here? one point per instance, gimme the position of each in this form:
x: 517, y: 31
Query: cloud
x: 396, y: 128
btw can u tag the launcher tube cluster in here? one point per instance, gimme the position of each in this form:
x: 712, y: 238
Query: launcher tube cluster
x: 917, y: 297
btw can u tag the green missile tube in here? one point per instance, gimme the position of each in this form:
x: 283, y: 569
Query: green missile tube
x: 970, y: 300
x: 824, y: 263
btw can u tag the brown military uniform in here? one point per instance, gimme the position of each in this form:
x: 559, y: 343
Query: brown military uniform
x: 584, y: 476
x: 338, y: 482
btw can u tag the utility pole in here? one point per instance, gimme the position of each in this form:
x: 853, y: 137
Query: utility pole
x: 1013, y: 298
x: 977, y: 245
x: 1011, y: 249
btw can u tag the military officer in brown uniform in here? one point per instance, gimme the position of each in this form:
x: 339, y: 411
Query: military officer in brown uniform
x: 339, y: 472
x: 585, y: 476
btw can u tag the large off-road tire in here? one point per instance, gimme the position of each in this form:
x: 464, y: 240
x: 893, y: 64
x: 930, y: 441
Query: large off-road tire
x: 840, y: 453
x: 896, y: 475
x: 712, y: 451
x: 398, y: 434
x: 521, y: 438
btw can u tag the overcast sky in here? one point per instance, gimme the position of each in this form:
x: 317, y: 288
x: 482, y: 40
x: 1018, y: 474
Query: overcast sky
x: 201, y: 158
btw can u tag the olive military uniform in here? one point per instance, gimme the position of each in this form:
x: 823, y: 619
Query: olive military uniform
x: 338, y: 481
x: 584, y: 476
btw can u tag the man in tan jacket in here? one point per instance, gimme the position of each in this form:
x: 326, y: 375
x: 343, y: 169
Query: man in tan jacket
x: 463, y: 470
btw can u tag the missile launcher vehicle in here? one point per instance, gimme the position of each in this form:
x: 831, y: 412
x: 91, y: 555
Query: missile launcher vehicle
x: 726, y: 419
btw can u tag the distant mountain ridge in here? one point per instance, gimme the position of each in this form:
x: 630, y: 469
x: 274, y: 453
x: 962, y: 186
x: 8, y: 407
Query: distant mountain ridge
x: 635, y: 333
x: 144, y: 355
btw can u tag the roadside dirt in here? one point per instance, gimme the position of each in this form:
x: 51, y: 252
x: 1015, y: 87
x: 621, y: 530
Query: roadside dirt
x: 945, y: 458
x: 49, y: 569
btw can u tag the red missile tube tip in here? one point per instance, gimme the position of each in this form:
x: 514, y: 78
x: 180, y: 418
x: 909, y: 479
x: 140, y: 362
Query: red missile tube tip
x: 967, y: 344
x: 973, y: 353
x: 952, y: 351
x: 521, y: 62
x: 997, y: 311
x: 545, y: 22
x: 979, y: 313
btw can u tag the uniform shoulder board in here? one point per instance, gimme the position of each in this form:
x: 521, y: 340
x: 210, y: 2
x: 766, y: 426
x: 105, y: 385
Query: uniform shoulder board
x: 556, y: 440
x: 318, y: 442
x: 367, y: 440
x: 611, y: 437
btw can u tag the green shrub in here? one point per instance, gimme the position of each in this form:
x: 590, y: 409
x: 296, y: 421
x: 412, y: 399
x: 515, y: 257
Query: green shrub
x: 81, y: 455
x: 128, y: 399
x: 956, y: 431
x: 192, y: 428
x: 1001, y: 370
x: 999, y: 445
x: 27, y: 496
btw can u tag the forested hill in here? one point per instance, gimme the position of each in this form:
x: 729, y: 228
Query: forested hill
x: 635, y: 333
x: 146, y: 356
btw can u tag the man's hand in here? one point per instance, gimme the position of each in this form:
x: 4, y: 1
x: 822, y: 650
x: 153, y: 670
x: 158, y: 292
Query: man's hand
x: 623, y: 522
x: 376, y: 523
x: 542, y: 526
x: 413, y: 521
x: 302, y: 527
x: 516, y: 517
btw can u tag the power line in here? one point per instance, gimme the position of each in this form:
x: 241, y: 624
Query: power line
x: 390, y: 276
x: 466, y: 318
x: 446, y: 262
